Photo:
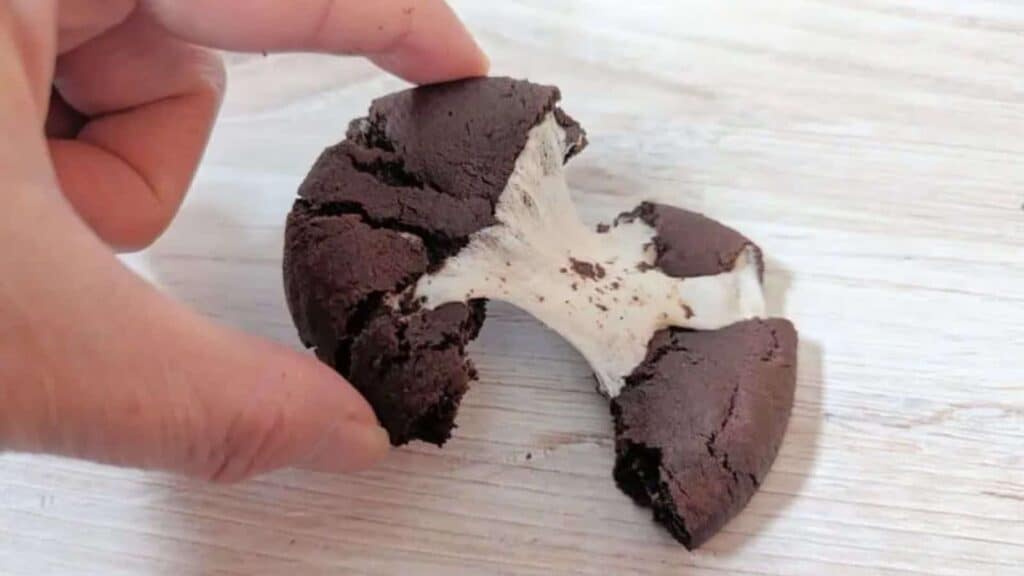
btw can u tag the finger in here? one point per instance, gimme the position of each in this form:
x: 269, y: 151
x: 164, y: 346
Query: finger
x: 33, y: 30
x: 420, y: 40
x: 152, y: 100
x: 97, y: 365
x: 82, y: 20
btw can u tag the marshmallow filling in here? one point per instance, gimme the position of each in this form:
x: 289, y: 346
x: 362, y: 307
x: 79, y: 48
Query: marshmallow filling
x: 600, y: 291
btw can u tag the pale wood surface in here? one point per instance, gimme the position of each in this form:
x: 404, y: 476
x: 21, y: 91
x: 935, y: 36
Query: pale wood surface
x: 875, y: 149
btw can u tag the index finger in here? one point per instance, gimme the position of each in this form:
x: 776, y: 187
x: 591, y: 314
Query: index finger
x: 422, y: 41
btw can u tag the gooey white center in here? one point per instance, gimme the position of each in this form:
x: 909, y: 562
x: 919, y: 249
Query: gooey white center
x: 533, y: 257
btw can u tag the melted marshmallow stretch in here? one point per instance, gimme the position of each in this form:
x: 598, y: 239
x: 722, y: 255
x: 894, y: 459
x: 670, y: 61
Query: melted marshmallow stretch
x: 601, y: 292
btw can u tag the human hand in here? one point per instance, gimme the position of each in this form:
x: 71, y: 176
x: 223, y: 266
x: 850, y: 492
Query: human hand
x: 95, y: 363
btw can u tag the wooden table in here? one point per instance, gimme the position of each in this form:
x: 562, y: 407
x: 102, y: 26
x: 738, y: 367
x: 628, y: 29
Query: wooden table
x: 874, y: 148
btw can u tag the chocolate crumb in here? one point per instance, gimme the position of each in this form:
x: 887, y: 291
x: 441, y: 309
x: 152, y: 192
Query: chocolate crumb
x: 575, y: 286
x: 529, y: 455
x: 686, y: 309
x: 588, y: 270
x: 615, y: 285
x: 601, y: 307
x: 540, y: 298
x: 644, y: 267
x: 603, y: 228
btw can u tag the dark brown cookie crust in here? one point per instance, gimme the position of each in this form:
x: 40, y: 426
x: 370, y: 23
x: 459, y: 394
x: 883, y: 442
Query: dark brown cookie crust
x: 405, y: 190
x: 434, y: 161
x: 689, y: 244
x: 701, y: 421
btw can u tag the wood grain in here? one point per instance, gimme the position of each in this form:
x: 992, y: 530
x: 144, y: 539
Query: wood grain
x: 874, y: 148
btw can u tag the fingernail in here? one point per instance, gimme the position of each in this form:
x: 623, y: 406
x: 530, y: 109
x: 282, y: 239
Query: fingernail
x: 350, y: 447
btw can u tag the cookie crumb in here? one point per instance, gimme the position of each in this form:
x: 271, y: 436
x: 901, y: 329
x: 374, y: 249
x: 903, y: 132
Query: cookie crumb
x: 587, y: 270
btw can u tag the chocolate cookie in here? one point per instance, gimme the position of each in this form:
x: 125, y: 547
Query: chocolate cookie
x: 700, y: 422
x: 449, y: 195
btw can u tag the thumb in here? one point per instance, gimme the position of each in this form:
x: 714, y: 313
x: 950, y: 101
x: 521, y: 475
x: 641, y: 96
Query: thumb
x: 96, y: 364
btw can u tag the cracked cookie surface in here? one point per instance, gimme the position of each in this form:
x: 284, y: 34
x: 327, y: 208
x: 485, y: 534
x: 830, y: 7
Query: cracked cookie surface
x: 701, y: 420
